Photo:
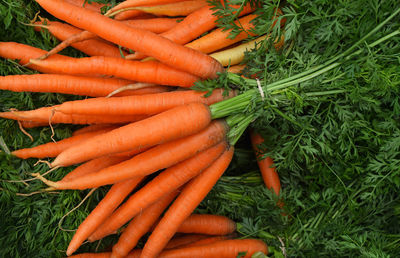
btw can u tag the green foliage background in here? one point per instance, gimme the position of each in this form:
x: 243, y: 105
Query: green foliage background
x: 338, y: 156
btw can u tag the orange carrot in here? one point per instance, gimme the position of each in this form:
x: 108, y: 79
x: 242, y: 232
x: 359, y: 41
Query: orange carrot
x: 169, y: 180
x: 91, y: 47
x: 225, y: 248
x: 52, y: 149
x: 146, y: 42
x: 219, y: 39
x: 192, y: 194
x: 135, y: 3
x: 151, y: 72
x: 207, y: 224
x: 182, y: 121
x: 268, y: 171
x: 156, y: 25
x: 85, y: 4
x: 90, y: 128
x: 209, y: 240
x: 159, y: 157
x: 113, y: 198
x: 45, y: 114
x: 186, y: 239
x: 181, y: 8
x: 141, y: 104
x: 141, y: 225
x: 32, y: 124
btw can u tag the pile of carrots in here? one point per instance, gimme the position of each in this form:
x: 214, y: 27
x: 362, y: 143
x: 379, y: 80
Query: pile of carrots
x: 142, y: 118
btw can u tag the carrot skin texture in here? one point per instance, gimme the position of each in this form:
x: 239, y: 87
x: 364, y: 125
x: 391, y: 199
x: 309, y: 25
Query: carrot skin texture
x: 169, y: 180
x: 268, y: 172
x: 180, y: 241
x: 190, y: 197
x: 90, y: 6
x: 181, y: 8
x: 209, y: 240
x: 146, y: 42
x: 141, y: 225
x: 159, y: 157
x: 156, y: 25
x: 110, y: 202
x: 134, y: 3
x: 52, y: 149
x: 150, y: 72
x: 207, y: 224
x: 143, y: 104
x: 90, y: 128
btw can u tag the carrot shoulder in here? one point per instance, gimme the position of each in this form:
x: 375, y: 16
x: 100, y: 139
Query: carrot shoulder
x: 143, y: 41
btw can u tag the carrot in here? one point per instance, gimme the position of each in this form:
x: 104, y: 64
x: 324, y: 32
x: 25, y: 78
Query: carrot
x: 90, y: 128
x: 141, y: 225
x: 192, y: 194
x: 236, y: 68
x: 32, y: 124
x: 219, y: 38
x: 186, y: 239
x: 85, y: 4
x: 268, y: 171
x: 221, y: 249
x: 143, y: 104
x: 135, y: 3
x: 151, y: 72
x: 52, y: 149
x: 169, y: 180
x: 13, y: 50
x: 159, y: 157
x: 235, y: 55
x: 91, y: 47
x: 181, y: 8
x: 110, y: 202
x: 148, y: 43
x: 156, y: 25
x: 46, y: 114
x: 209, y: 240
x: 182, y: 121
x: 207, y: 224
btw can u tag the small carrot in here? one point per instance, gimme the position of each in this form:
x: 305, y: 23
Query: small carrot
x: 146, y: 42
x: 192, y: 194
x: 91, y: 47
x: 159, y: 157
x: 188, y: 119
x: 151, y: 72
x: 268, y: 172
x: 140, y: 104
x: 207, y: 224
x: 141, y: 225
x: 169, y: 180
x: 113, y: 198
x: 52, y: 149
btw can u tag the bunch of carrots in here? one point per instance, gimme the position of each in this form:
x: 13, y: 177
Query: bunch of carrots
x: 142, y: 118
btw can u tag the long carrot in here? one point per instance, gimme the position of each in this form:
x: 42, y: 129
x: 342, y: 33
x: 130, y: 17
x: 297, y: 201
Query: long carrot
x: 52, y: 149
x: 91, y: 47
x: 207, y: 224
x: 192, y: 194
x: 156, y: 25
x: 209, y: 240
x: 181, y: 121
x: 141, y: 225
x: 159, y: 157
x: 151, y: 72
x: 183, y: 240
x: 169, y: 180
x: 268, y: 171
x: 47, y: 114
x: 141, y: 104
x: 135, y: 3
x: 113, y: 198
x: 148, y: 43
x: 89, y: 128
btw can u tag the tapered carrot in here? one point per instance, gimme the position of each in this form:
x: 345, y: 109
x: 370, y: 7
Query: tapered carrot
x: 23, y: 53
x: 141, y: 225
x: 181, y: 121
x: 181, y: 8
x: 159, y: 157
x: 141, y: 104
x: 52, y: 149
x: 207, y: 224
x: 148, y: 43
x: 169, y: 180
x: 90, y: 128
x: 156, y: 25
x: 91, y: 47
x: 151, y: 72
x: 192, y: 194
x: 222, y: 249
x: 107, y: 205
x: 32, y: 124
x: 209, y: 240
x: 219, y: 38
x: 268, y: 171
x: 85, y: 4
x: 47, y: 114
x: 135, y: 3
